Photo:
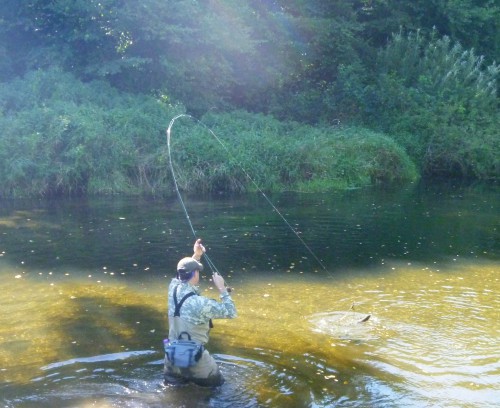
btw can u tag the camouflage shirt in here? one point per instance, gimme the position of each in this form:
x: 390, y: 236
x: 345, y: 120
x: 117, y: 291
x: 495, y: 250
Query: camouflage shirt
x: 199, y: 309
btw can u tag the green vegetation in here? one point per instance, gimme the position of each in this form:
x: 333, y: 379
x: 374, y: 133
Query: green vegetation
x: 63, y: 137
x: 287, y: 156
x: 70, y: 138
x: 440, y: 103
x: 305, y: 95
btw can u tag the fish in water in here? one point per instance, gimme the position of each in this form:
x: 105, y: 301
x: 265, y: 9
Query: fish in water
x: 345, y: 325
x: 365, y: 319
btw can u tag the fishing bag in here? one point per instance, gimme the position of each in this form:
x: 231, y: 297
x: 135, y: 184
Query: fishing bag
x: 184, y: 353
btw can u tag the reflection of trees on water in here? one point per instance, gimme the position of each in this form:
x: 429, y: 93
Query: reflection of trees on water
x: 131, y: 236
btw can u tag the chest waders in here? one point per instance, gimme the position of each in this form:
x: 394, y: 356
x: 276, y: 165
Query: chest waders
x: 181, y: 356
x: 183, y: 352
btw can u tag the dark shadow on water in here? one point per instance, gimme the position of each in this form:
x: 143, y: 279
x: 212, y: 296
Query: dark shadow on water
x: 102, y: 325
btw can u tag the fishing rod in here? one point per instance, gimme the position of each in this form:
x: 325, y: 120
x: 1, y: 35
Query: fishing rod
x: 207, y: 258
x: 210, y: 263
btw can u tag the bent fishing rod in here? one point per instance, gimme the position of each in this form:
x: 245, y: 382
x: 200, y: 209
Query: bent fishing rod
x: 212, y: 266
x: 209, y: 261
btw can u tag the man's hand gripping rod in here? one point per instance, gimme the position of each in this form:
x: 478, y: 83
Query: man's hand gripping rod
x: 199, y: 251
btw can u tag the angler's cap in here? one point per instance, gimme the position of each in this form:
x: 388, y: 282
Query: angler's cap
x: 186, y: 268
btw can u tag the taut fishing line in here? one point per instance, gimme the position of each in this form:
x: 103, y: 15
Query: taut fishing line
x: 210, y: 263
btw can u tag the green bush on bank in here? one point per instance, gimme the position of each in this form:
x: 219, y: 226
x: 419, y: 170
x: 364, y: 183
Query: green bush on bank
x: 60, y: 136
x: 440, y: 103
x: 265, y: 153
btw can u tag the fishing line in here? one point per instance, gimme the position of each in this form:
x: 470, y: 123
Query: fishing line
x: 246, y: 175
x: 207, y: 258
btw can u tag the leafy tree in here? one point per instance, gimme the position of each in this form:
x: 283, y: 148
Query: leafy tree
x: 325, y: 36
x: 207, y: 53
x: 72, y: 34
x: 475, y: 24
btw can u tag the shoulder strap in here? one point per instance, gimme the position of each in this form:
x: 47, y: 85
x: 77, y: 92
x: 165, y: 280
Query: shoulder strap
x: 178, y: 306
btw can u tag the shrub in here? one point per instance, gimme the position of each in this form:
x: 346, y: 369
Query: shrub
x: 440, y: 102
x: 64, y: 137
x: 292, y: 156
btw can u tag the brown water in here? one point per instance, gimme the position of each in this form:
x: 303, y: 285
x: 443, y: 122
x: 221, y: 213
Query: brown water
x: 83, y: 297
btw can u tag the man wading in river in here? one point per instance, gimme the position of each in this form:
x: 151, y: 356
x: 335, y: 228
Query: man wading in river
x: 190, y: 318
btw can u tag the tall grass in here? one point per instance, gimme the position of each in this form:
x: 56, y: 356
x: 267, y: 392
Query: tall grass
x: 291, y: 156
x: 62, y: 137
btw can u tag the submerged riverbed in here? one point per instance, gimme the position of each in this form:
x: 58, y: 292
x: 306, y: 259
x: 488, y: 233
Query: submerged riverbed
x: 83, y: 295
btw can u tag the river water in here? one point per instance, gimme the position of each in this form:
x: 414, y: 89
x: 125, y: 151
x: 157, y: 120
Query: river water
x: 83, y: 299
